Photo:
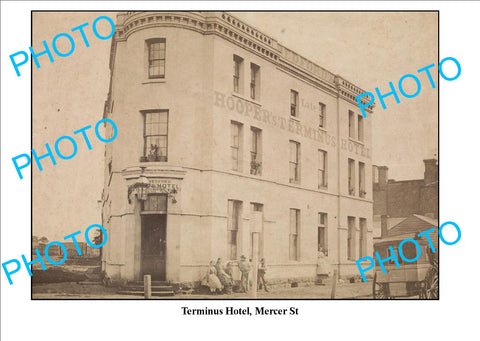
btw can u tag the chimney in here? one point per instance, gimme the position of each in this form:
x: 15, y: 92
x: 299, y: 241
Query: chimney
x: 382, y: 176
x: 383, y: 222
x: 431, y: 171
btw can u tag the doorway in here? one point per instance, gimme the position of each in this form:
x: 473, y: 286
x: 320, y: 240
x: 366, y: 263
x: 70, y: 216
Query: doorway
x: 154, y: 246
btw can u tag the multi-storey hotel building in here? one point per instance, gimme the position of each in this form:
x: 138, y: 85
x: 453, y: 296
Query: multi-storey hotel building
x: 223, y: 131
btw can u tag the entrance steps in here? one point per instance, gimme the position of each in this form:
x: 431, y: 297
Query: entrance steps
x: 159, y: 288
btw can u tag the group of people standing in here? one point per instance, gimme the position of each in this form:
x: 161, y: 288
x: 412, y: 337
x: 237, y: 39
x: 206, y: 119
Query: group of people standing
x: 220, y: 279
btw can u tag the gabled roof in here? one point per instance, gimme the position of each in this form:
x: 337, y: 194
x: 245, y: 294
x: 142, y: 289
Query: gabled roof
x: 410, y: 227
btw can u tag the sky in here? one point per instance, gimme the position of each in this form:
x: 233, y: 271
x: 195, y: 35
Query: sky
x: 369, y: 49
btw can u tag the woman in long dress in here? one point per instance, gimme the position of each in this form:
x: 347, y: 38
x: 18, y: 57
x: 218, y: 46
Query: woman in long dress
x: 212, y: 280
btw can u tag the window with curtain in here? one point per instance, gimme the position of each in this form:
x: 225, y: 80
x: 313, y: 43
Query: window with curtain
x: 156, y: 135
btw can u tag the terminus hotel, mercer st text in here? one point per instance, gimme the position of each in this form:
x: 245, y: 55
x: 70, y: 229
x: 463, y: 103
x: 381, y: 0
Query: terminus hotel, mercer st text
x: 223, y: 131
x: 240, y: 311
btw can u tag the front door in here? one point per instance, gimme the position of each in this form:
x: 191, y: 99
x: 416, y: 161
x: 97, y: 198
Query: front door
x: 154, y: 245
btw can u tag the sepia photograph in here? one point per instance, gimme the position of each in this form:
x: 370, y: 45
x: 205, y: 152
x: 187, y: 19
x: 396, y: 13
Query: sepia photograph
x: 234, y: 155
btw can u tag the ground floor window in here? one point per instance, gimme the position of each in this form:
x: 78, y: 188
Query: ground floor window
x: 351, y: 239
x: 234, y: 214
x: 294, y: 234
x: 322, y: 233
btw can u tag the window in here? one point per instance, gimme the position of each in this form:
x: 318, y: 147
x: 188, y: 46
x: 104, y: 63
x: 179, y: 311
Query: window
x: 322, y: 233
x: 351, y: 177
x: 363, y: 238
x: 293, y: 103
x: 156, y: 135
x: 237, y: 74
x: 256, y: 221
x: 255, y: 81
x: 236, y: 130
x: 233, y: 224
x: 322, y: 115
x: 360, y: 128
x: 294, y: 162
x: 255, y: 152
x: 351, y: 124
x: 361, y: 179
x: 155, y: 202
x: 294, y: 234
x: 322, y: 169
x: 409, y: 251
x: 395, y: 251
x: 156, y: 58
x: 351, y: 239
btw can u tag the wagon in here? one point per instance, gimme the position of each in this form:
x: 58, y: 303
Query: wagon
x: 410, y: 279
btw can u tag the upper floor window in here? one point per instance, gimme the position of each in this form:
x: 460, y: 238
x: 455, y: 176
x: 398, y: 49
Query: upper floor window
x: 237, y: 74
x: 351, y: 124
x: 235, y: 145
x: 256, y: 152
x: 322, y: 169
x: 360, y: 128
x: 255, y: 81
x: 156, y: 135
x: 156, y: 58
x: 361, y: 179
x: 294, y: 162
x: 293, y: 103
x: 351, y: 177
x: 322, y: 115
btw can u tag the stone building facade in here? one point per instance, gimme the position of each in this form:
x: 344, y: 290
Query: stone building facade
x: 223, y: 132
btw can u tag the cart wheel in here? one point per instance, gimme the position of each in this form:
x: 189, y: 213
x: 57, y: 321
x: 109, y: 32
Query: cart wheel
x: 380, y: 290
x: 431, y: 284
x: 432, y: 288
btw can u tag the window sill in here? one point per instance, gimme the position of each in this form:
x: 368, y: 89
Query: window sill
x: 238, y: 95
x: 322, y: 188
x: 356, y: 141
x: 154, y: 80
x: 294, y: 118
x: 322, y: 129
